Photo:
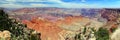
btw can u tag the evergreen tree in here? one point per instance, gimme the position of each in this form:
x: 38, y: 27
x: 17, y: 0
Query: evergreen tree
x: 102, y: 34
x: 5, y: 23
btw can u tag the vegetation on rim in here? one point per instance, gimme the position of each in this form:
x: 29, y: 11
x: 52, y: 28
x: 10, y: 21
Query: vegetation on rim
x: 18, y: 31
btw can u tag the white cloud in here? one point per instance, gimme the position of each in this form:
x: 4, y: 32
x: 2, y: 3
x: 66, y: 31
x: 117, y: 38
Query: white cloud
x: 39, y: 5
x: 79, y: 5
x: 30, y: 0
x: 11, y: 4
x: 76, y: 5
x: 10, y: 0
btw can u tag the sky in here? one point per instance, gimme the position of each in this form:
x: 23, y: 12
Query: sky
x: 60, y: 3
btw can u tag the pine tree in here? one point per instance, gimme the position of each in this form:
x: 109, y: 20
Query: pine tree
x: 5, y: 23
x: 102, y: 34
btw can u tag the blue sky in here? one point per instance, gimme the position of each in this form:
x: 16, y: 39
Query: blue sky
x: 60, y: 3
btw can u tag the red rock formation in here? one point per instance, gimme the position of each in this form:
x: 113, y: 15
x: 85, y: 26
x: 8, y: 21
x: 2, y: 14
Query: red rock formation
x: 46, y: 28
x: 49, y: 29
